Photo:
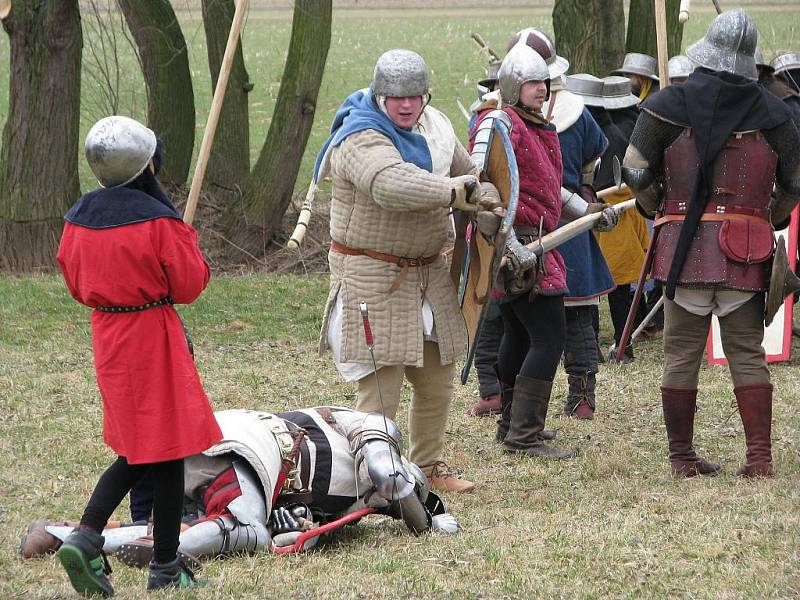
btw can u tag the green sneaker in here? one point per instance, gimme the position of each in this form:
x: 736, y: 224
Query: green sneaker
x: 86, y: 564
x: 174, y: 574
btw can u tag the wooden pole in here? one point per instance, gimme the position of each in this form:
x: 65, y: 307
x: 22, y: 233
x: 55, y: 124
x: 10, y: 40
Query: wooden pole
x: 663, y: 76
x: 661, y: 42
x: 216, y: 108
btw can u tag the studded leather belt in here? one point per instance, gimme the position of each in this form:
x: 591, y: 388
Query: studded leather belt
x: 128, y: 309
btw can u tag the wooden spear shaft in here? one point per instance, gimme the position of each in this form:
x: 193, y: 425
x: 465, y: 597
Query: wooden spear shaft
x: 216, y: 108
x: 661, y: 42
x: 663, y: 75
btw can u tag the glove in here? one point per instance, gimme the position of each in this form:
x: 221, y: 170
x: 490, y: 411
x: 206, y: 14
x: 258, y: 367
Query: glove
x: 520, y: 257
x: 489, y: 221
x: 284, y: 520
x: 444, y: 523
x: 490, y: 197
x: 464, y: 193
x: 609, y: 219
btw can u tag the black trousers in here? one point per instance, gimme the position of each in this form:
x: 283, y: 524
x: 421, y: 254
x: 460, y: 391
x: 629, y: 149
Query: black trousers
x: 115, y: 483
x: 486, y: 347
x: 533, y: 338
x: 619, y: 303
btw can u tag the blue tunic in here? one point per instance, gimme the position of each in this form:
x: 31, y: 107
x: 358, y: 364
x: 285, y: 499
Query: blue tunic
x: 587, y: 272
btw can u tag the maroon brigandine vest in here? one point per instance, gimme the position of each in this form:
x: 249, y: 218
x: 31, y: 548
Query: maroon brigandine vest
x: 734, y: 241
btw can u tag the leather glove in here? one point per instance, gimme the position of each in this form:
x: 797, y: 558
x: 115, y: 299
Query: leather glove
x: 609, y: 219
x: 489, y: 221
x: 465, y: 193
x: 490, y: 197
x: 520, y: 257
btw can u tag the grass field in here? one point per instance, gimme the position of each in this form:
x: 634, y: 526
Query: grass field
x: 359, y: 36
x: 609, y: 524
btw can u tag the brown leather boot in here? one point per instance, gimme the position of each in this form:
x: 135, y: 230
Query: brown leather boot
x: 503, y: 423
x: 443, y: 480
x: 528, y: 413
x: 37, y: 541
x: 485, y: 407
x: 755, y: 408
x: 578, y: 405
x: 679, y: 406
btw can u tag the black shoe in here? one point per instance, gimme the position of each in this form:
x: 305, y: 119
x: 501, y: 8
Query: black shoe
x: 174, y: 574
x: 86, y: 564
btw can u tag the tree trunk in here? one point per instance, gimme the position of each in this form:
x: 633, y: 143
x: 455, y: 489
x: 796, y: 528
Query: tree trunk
x: 642, y: 28
x: 589, y: 34
x: 39, y: 158
x: 271, y: 183
x: 170, y: 98
x: 229, y: 163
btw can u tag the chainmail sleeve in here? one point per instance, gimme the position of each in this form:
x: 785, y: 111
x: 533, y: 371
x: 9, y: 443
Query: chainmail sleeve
x: 785, y: 141
x: 652, y: 136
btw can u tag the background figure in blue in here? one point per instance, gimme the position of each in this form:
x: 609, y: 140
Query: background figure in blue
x: 582, y: 143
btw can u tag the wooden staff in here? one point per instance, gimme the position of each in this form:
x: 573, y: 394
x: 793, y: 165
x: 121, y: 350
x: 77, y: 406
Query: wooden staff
x: 661, y: 42
x: 216, y: 108
x: 571, y: 230
x: 663, y: 75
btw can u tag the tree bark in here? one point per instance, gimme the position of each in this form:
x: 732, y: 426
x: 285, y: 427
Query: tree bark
x: 271, y: 183
x: 642, y: 28
x: 229, y: 163
x: 39, y: 158
x: 589, y: 34
x: 170, y: 97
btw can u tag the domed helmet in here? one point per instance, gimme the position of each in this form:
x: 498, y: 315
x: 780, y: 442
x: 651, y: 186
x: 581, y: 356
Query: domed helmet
x: 636, y: 63
x: 679, y: 66
x: 400, y: 74
x: 539, y: 41
x: 729, y: 45
x: 521, y: 65
x: 118, y: 149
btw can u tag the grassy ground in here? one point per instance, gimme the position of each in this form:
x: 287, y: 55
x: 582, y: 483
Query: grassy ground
x: 611, y: 523
x: 359, y: 36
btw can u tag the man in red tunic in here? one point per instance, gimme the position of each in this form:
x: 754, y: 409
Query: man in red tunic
x: 126, y: 254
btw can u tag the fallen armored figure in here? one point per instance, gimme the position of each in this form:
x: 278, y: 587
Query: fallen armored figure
x: 278, y: 482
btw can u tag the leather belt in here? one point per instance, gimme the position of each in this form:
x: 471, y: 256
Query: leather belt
x: 710, y: 217
x: 680, y: 207
x: 127, y: 309
x: 403, y: 262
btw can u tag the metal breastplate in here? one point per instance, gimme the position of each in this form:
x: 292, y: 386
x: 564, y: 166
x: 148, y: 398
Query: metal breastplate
x: 733, y: 242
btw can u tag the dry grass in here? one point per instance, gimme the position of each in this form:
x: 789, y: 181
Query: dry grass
x: 611, y: 523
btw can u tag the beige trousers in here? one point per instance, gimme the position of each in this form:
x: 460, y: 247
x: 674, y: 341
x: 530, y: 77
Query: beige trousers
x: 685, y: 335
x: 432, y: 391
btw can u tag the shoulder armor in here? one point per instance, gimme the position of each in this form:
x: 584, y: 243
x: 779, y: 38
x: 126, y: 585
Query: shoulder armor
x: 483, y: 136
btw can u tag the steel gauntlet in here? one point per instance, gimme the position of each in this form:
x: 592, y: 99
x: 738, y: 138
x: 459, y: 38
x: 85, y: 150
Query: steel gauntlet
x: 520, y: 257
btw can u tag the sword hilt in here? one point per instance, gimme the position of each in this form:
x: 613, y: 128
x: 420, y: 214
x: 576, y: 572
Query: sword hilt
x: 367, y: 328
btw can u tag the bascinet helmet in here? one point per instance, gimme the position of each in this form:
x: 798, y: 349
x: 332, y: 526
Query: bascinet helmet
x: 118, y: 149
x: 557, y: 65
x: 729, y: 45
x: 521, y: 65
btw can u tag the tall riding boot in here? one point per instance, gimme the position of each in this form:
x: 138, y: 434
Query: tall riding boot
x: 506, y: 397
x: 503, y: 423
x: 578, y: 398
x: 528, y: 413
x: 679, y: 407
x: 755, y: 408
